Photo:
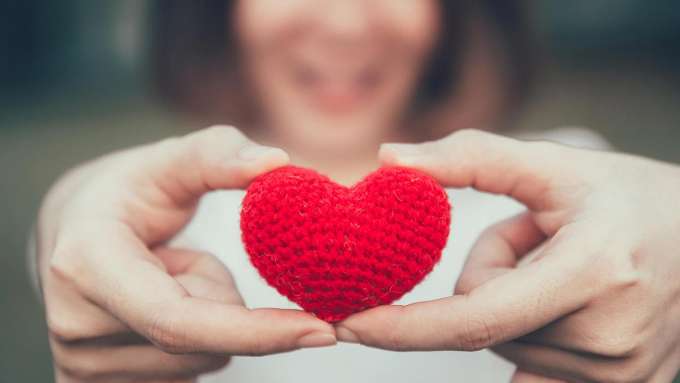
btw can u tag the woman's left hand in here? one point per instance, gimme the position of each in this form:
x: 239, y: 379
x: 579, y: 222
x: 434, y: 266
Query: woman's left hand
x: 584, y: 286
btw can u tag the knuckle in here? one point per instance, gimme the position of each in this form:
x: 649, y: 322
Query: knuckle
x: 489, y: 235
x: 639, y: 368
x: 197, y: 146
x: 619, y: 272
x: 474, y: 141
x: 396, y: 329
x: 257, y: 344
x: 477, y: 333
x: 606, y: 269
x: 617, y: 345
x: 623, y: 278
x: 76, y: 366
x: 464, y: 285
x: 58, y: 265
x: 63, y: 260
x: 622, y: 348
x: 490, y: 232
x: 450, y: 139
x: 395, y: 339
x: 60, y: 354
x: 257, y: 347
x: 169, y: 144
x: 610, y: 275
x: 462, y: 140
x: 166, y: 334
x: 214, y: 145
x: 544, y: 147
x: 627, y: 371
x: 79, y: 370
x: 62, y: 329
x: 221, y: 133
x: 469, y: 135
x: 61, y: 266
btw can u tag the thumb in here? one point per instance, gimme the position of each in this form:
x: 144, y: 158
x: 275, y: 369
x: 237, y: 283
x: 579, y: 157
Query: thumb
x: 505, y: 307
x: 524, y: 170
x: 219, y: 157
x: 159, y: 184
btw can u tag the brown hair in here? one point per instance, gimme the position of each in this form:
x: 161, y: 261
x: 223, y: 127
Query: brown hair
x: 195, y: 61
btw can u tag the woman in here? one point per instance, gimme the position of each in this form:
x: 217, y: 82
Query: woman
x: 142, y: 284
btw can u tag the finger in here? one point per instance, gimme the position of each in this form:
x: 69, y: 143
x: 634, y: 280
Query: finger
x: 71, y: 317
x: 179, y: 261
x: 132, y: 363
x: 171, y: 175
x: 523, y: 170
x: 201, y: 274
x: 498, y: 250
x: 585, y: 331
x: 559, y: 364
x: 203, y: 288
x: 169, y: 381
x: 124, y: 280
x: 60, y: 377
x: 526, y: 377
x: 595, y: 330
x: 219, y: 157
x: 179, y: 171
x: 504, y: 308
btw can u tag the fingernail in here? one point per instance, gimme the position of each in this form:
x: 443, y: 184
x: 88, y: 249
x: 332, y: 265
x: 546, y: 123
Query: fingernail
x: 346, y: 335
x: 317, y: 339
x: 254, y: 152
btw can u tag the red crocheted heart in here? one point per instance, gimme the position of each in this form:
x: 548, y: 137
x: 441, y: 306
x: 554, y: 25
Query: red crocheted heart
x: 335, y: 250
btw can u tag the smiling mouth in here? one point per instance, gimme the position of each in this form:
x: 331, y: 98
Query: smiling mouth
x: 337, y: 89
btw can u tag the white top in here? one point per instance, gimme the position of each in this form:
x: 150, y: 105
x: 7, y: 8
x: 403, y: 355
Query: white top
x: 215, y: 228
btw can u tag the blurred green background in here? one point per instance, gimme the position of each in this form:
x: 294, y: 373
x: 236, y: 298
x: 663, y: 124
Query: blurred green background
x: 73, y: 85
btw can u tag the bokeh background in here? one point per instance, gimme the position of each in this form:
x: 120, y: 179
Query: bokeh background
x: 74, y: 84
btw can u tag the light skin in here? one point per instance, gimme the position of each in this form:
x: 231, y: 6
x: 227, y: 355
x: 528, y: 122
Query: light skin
x: 582, y: 287
x: 334, y: 77
x: 121, y: 307
x: 331, y: 82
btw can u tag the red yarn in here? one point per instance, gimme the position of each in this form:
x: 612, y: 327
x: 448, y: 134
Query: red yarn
x: 335, y: 250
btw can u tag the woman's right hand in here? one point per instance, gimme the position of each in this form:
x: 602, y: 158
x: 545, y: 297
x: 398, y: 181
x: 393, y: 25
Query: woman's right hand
x: 122, y: 307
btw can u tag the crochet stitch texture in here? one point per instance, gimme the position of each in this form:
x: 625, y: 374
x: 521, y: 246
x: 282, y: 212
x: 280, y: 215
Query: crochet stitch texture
x: 335, y: 250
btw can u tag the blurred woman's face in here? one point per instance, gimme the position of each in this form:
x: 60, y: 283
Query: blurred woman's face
x: 335, y: 75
